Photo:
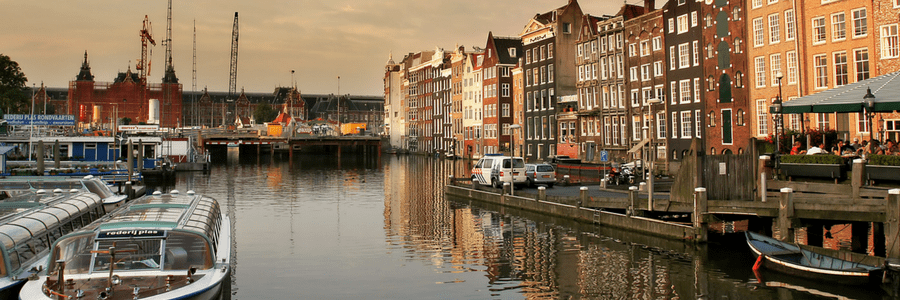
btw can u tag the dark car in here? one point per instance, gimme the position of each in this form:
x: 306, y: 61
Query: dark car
x: 540, y: 174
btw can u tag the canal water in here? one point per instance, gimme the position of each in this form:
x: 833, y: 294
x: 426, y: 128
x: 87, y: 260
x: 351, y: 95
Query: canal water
x: 315, y: 227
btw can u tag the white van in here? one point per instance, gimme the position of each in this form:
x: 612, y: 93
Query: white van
x: 495, y: 169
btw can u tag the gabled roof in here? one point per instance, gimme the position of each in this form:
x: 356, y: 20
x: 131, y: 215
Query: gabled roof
x: 588, y: 27
x: 502, y: 46
x: 630, y: 11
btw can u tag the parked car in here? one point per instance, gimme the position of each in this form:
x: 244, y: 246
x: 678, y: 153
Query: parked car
x: 496, y: 169
x: 540, y: 174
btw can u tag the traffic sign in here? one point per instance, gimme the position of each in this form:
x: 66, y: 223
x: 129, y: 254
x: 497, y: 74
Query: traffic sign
x: 604, y: 156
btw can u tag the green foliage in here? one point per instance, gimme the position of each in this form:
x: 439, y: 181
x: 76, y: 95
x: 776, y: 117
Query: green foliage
x: 264, y: 113
x: 884, y: 160
x: 126, y: 121
x: 13, y: 98
x: 812, y: 159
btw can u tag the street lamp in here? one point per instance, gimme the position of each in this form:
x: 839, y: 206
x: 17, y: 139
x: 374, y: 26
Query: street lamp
x: 777, y: 114
x: 651, y: 152
x: 869, y: 101
x: 513, y: 128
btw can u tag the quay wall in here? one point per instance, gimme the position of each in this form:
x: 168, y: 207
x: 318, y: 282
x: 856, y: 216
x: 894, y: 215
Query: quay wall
x: 581, y: 214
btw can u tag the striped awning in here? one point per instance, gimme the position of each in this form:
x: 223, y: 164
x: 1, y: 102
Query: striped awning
x: 849, y: 98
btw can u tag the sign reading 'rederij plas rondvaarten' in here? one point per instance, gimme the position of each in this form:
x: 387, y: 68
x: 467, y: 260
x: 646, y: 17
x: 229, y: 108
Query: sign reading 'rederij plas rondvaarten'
x: 55, y: 120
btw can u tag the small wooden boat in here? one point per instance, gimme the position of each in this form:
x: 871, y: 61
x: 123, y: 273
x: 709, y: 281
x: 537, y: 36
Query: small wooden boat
x: 163, y: 246
x: 791, y: 259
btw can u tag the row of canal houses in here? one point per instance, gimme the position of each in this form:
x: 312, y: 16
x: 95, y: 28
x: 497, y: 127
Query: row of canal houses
x: 643, y: 82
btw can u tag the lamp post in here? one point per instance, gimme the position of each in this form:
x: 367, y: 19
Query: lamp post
x: 869, y: 101
x: 651, y: 151
x: 778, y: 116
x: 512, y: 142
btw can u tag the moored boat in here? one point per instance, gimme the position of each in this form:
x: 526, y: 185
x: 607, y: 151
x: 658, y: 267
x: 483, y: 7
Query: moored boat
x: 162, y: 246
x: 27, y: 184
x: 30, y: 222
x: 791, y: 259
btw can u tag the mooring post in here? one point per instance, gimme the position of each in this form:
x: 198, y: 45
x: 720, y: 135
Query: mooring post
x: 583, y: 196
x: 130, y: 160
x: 632, y: 198
x: 451, y: 179
x: 892, y: 224
x: 542, y: 194
x: 129, y: 190
x: 603, y: 183
x: 642, y: 186
x: 859, y: 167
x: 506, y: 187
x: 786, y: 215
x: 763, y: 170
x: 699, y: 218
x: 40, y: 158
x: 566, y: 180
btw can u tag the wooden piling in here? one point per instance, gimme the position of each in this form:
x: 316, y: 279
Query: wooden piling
x: 632, y: 198
x: 856, y: 181
x: 40, y: 158
x: 892, y: 224
x: 763, y: 172
x: 786, y: 215
x: 701, y: 207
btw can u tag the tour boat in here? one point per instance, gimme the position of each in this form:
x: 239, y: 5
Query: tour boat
x: 25, y: 184
x: 791, y: 259
x: 30, y: 222
x: 161, y: 246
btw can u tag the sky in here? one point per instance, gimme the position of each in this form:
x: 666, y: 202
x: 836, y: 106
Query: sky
x: 319, y: 40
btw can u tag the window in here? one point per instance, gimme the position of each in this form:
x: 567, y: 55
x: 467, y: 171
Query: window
x: 672, y: 58
x: 823, y: 120
x: 820, y: 65
x: 758, y: 34
x: 567, y: 28
x: 635, y: 100
x: 549, y: 50
x: 862, y: 124
x: 890, y: 46
x: 631, y: 50
x: 634, y: 73
x: 775, y: 67
x: 684, y: 59
x: 738, y: 79
x: 674, y: 124
x: 838, y: 27
x: 709, y: 50
x: 657, y: 68
x: 682, y: 24
x: 841, y: 76
x: 712, y: 119
x: 736, y: 13
x: 698, y: 119
x: 762, y: 118
x: 550, y: 72
x: 645, y: 72
x: 774, y: 29
x: 696, y: 89
x: 792, y: 67
x: 603, y: 45
x: 757, y: 3
x: 818, y: 26
x: 696, y: 48
x: 505, y: 90
x: 661, y: 125
x: 861, y: 59
x: 684, y: 87
x: 673, y: 89
x: 860, y: 26
x: 693, y: 19
x: 790, y: 27
x: 710, y: 83
x: 615, y: 131
x: 686, y: 129
x: 737, y: 45
x: 660, y: 93
x: 645, y: 48
x: 657, y: 43
x: 760, y: 66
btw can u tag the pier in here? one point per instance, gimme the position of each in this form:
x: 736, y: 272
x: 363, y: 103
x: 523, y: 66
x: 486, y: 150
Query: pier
x: 252, y: 141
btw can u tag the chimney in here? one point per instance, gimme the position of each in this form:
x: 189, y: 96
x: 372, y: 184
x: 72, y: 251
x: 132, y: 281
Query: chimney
x: 649, y: 5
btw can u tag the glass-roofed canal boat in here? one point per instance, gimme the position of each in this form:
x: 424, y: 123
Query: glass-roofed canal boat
x: 30, y: 222
x: 161, y: 246
x: 15, y: 185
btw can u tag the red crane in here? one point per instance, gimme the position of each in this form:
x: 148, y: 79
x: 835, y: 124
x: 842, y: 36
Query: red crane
x: 143, y: 64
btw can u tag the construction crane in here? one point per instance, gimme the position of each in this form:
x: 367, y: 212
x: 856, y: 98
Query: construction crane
x: 143, y: 64
x: 168, y: 41
x: 232, y: 79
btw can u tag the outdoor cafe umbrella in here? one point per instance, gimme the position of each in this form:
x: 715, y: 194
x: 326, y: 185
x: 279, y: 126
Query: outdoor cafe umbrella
x: 849, y: 98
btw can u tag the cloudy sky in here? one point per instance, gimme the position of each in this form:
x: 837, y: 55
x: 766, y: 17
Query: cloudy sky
x: 321, y: 40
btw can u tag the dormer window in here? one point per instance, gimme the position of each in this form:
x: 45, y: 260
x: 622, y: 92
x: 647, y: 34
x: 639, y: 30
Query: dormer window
x: 567, y: 28
x: 512, y: 52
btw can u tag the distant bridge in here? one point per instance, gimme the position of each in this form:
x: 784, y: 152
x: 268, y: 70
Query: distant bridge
x: 327, y: 143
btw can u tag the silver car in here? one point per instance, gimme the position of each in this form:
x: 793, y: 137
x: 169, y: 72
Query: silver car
x: 540, y: 174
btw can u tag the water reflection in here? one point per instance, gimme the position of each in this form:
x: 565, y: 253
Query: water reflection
x: 316, y: 226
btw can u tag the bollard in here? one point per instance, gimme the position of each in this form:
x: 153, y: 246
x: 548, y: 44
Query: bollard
x: 542, y: 193
x: 856, y: 181
x: 763, y: 171
x: 632, y: 198
x: 129, y: 190
x: 642, y: 186
x: 700, y: 209
x: 786, y: 215
x: 566, y: 180
x: 892, y: 224
x: 506, y: 187
x: 451, y: 179
x: 603, y: 183
x: 583, y: 196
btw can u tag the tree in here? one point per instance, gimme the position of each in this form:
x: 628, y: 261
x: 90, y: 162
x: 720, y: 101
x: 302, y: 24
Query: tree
x: 13, y: 97
x: 264, y: 113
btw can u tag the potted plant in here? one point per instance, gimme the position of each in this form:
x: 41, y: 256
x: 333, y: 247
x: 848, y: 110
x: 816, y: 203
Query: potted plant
x: 827, y: 166
x: 883, y: 167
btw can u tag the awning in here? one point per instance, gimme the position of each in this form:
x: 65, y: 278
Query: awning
x: 849, y: 98
x: 637, y: 147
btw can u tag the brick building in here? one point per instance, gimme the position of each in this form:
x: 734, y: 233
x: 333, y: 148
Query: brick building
x: 685, y: 102
x: 645, y: 79
x: 500, y: 57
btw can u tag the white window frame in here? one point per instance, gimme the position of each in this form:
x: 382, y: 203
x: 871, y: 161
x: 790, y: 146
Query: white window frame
x: 838, y: 26
x: 774, y: 29
x: 758, y: 33
x: 684, y: 58
x: 819, y: 25
x: 775, y: 67
x: 686, y: 124
x: 860, y: 15
x: 791, y: 67
x: 759, y: 64
x: 683, y: 25
x: 790, y: 26
x: 762, y: 118
x: 820, y: 71
x: 838, y: 66
x: 684, y: 89
x: 890, y: 42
